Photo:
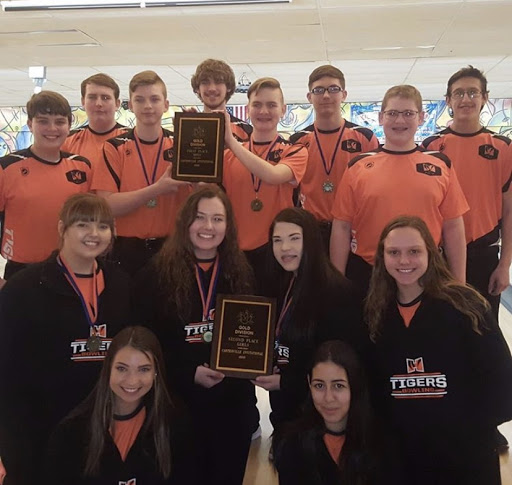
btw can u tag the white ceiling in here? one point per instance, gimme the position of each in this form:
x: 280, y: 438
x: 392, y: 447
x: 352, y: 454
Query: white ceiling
x: 376, y: 43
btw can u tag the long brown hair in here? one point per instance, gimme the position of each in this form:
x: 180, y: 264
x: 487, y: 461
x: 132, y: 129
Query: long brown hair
x: 437, y: 282
x: 175, y: 261
x: 158, y: 403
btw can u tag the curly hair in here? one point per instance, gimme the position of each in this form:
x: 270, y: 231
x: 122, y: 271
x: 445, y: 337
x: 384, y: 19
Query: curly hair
x: 175, y: 262
x: 217, y: 70
x: 437, y: 282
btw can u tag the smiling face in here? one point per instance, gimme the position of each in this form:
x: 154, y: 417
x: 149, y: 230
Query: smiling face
x: 406, y: 260
x: 131, y: 378
x: 84, y: 240
x: 213, y: 94
x: 466, y: 109
x: 148, y: 104
x: 50, y: 132
x: 208, y: 229
x: 330, y: 391
x: 265, y: 109
x: 287, y: 245
x: 100, y: 105
x: 400, y: 131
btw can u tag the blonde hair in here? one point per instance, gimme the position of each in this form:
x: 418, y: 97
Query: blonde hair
x: 264, y: 83
x: 404, y: 91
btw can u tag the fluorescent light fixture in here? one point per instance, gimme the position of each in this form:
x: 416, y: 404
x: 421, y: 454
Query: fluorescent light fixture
x: 36, y: 72
x: 17, y: 5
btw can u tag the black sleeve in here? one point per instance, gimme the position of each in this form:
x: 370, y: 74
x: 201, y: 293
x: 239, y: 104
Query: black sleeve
x: 492, y: 364
x: 64, y: 459
x: 287, y: 460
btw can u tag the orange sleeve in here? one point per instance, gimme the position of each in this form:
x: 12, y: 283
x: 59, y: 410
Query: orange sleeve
x: 454, y: 203
x: 507, y: 169
x: 297, y: 160
x: 344, y: 205
x: 107, y: 174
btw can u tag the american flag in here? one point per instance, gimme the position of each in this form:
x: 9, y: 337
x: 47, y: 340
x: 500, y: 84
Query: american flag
x: 238, y: 111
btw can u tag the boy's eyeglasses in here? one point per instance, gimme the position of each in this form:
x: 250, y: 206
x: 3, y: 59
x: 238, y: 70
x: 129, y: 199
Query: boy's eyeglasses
x: 331, y: 89
x: 393, y: 114
x: 472, y: 93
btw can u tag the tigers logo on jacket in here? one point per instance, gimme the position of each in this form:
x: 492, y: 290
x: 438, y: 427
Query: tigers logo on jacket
x: 416, y: 383
x: 133, y: 481
x: 79, y: 351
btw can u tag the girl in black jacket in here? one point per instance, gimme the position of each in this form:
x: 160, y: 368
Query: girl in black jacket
x: 175, y: 296
x: 127, y: 431
x: 443, y: 367
x: 315, y: 303
x: 57, y: 319
x: 335, y: 440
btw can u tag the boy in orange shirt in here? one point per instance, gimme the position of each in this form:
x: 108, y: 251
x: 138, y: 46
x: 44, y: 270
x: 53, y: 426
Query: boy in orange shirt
x: 36, y: 181
x: 331, y: 142
x: 260, y: 175
x: 483, y: 161
x: 399, y: 179
x: 135, y: 176
x: 100, y: 99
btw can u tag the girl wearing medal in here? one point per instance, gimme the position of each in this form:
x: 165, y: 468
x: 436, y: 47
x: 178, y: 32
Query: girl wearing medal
x: 335, y: 441
x: 442, y: 363
x: 127, y: 430
x: 175, y: 296
x: 315, y: 303
x: 57, y: 319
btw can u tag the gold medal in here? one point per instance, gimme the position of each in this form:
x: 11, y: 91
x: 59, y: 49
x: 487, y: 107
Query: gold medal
x: 207, y: 336
x: 256, y: 205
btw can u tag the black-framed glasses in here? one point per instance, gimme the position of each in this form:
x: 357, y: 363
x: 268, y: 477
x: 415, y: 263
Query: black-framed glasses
x: 333, y: 89
x: 393, y: 114
x: 472, y: 93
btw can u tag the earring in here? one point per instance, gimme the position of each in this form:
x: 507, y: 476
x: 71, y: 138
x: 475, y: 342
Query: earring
x: 450, y: 112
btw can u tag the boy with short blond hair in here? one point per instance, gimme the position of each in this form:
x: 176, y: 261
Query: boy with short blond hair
x: 36, y: 181
x: 214, y: 83
x: 331, y: 141
x: 135, y: 176
x: 398, y: 179
x: 260, y: 175
x: 100, y: 99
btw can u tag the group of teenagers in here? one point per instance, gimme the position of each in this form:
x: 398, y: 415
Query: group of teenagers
x: 388, y: 367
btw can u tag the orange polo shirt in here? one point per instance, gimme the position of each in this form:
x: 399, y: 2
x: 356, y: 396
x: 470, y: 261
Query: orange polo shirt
x: 382, y: 185
x: 338, y: 147
x: 121, y: 171
x: 253, y: 225
x: 483, y: 162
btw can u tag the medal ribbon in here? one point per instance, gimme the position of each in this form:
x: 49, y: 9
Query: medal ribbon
x: 328, y: 169
x: 256, y: 184
x: 157, y: 160
x: 208, y: 302
x: 91, y: 308
x: 286, y: 305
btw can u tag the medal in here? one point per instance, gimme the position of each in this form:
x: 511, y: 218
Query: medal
x: 207, y: 296
x: 328, y: 186
x: 93, y: 343
x: 256, y: 205
x: 151, y: 203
